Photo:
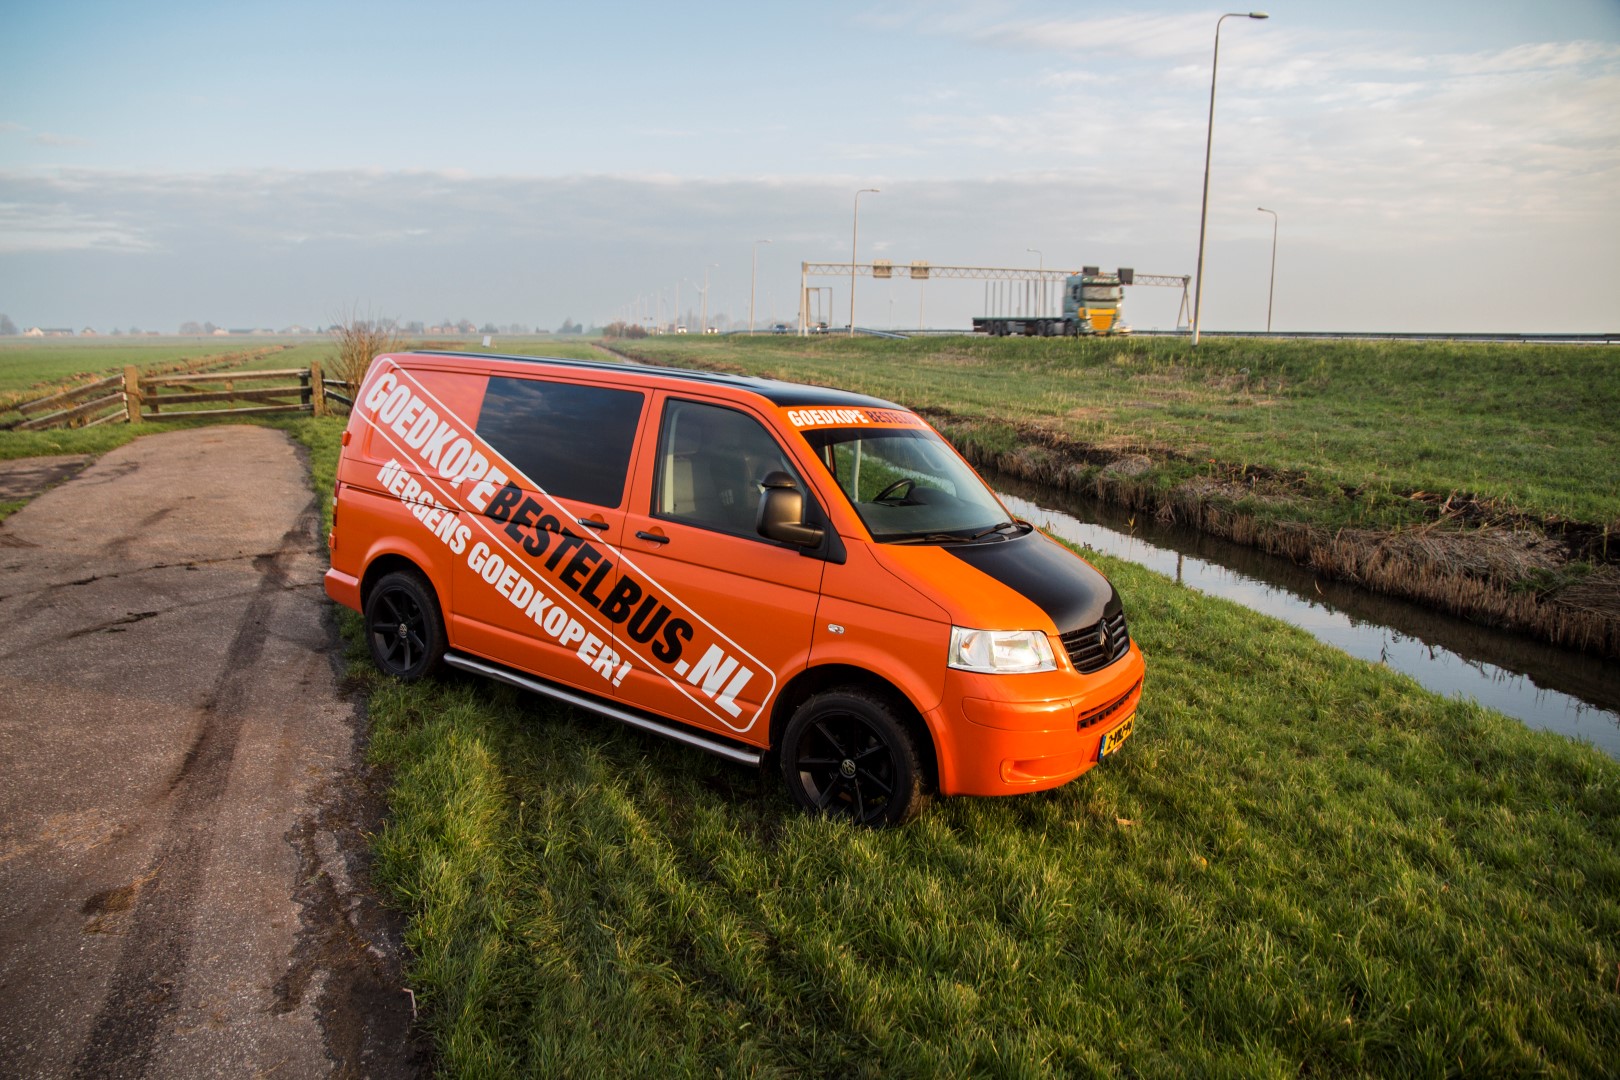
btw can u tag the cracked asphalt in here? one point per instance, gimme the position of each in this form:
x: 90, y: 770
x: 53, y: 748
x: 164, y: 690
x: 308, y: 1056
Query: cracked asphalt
x: 184, y: 801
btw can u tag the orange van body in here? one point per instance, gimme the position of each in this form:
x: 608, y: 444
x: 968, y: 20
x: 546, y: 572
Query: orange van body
x: 764, y: 570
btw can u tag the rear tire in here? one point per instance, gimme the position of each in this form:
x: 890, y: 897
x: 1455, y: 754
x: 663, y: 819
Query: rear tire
x: 404, y: 626
x: 846, y: 754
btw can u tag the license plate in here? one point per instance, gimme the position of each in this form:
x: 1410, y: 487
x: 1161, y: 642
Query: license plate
x: 1113, y: 740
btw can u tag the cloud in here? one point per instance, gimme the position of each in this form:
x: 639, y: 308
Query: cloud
x: 54, y: 227
x: 46, y: 138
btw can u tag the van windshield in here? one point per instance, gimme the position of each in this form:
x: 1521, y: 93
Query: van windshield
x: 908, y: 486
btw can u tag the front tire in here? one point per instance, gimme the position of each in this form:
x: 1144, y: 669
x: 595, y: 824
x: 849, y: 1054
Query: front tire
x: 404, y: 626
x: 845, y: 754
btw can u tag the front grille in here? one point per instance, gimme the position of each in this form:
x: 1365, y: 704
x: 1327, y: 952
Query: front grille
x: 1109, y: 711
x: 1092, y: 648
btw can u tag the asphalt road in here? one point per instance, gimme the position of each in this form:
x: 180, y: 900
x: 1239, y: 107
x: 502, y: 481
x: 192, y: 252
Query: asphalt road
x: 182, y: 791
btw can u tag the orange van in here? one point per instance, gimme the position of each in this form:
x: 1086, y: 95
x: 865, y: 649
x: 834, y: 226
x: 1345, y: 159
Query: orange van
x: 770, y: 572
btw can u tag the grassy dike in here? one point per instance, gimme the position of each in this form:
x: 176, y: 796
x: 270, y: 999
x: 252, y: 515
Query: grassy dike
x: 1475, y: 479
x: 1301, y: 863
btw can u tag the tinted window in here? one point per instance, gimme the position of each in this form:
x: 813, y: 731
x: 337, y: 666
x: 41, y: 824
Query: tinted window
x: 572, y: 441
x: 710, y: 464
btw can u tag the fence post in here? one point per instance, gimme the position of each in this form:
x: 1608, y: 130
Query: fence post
x: 132, y: 395
x: 317, y: 388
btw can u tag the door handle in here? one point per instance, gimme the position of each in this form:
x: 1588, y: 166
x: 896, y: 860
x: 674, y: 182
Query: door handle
x: 591, y: 524
x: 652, y: 538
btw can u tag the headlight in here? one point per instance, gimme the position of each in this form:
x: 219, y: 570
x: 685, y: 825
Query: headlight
x: 1000, y: 652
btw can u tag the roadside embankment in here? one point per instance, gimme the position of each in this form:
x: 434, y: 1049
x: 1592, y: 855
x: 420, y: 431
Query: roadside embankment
x: 1556, y: 581
x: 1475, y: 479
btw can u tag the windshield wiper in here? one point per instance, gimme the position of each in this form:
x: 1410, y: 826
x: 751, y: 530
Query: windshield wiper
x: 1013, y: 525
x: 951, y: 538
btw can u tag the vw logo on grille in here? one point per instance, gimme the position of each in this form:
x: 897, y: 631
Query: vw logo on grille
x: 1103, y: 641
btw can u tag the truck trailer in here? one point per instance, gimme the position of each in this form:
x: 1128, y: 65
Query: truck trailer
x: 1091, y: 303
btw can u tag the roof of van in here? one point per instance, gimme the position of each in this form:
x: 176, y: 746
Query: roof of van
x: 785, y: 394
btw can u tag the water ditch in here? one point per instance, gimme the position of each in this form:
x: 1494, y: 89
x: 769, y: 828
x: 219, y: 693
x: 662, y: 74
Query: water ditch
x: 1542, y: 685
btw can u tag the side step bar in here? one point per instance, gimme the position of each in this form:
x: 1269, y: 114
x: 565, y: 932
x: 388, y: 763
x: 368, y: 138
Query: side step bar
x: 742, y: 755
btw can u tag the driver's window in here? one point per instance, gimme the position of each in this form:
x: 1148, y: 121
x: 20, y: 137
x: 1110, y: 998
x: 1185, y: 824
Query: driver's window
x: 710, y: 463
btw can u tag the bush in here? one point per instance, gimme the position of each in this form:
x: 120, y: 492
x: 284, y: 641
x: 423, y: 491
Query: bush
x: 359, y: 341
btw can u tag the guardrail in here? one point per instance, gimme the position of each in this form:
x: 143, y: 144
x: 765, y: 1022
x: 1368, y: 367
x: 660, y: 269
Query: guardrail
x: 134, y: 398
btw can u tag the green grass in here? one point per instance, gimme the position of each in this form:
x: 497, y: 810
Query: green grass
x: 1357, y: 426
x: 1302, y: 863
x: 29, y: 368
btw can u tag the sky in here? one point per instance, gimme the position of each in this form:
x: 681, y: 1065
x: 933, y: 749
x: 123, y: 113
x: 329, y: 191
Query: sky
x: 1449, y: 165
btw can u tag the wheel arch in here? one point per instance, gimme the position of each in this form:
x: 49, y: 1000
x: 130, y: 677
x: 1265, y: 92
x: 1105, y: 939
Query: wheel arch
x: 386, y: 564
x: 815, y: 680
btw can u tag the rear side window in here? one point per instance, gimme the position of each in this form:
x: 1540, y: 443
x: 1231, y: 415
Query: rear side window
x: 571, y: 441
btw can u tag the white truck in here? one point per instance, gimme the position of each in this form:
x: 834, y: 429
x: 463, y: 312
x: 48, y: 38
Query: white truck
x: 1091, y: 302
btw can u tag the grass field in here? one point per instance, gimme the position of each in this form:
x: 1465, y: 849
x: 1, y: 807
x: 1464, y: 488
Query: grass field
x: 1302, y: 863
x: 30, y: 369
x: 1354, y: 428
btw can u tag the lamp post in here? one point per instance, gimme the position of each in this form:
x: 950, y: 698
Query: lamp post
x: 1209, y: 140
x: 1040, y: 307
x: 1272, y: 291
x: 753, y: 273
x: 854, y: 232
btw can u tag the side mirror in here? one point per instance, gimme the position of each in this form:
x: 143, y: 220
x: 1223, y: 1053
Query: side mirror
x: 781, y: 512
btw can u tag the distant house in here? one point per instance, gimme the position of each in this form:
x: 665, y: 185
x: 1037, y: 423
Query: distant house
x: 222, y: 332
x: 56, y: 331
x: 89, y: 331
x: 33, y: 331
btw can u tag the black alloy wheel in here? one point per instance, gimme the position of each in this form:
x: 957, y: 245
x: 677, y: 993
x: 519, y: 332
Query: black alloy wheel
x: 846, y: 755
x: 404, y: 626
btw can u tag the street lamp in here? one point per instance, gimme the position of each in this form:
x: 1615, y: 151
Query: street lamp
x: 1209, y: 139
x: 1271, y: 292
x: 854, y: 231
x: 752, y: 274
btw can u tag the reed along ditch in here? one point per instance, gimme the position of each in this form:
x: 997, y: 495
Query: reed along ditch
x: 1544, y: 686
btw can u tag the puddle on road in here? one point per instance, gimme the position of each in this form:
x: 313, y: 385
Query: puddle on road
x: 1544, y: 686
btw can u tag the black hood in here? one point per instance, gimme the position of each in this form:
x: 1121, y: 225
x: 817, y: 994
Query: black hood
x: 1049, y: 575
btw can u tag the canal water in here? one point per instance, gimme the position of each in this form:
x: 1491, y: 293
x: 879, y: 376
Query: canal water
x: 1544, y: 686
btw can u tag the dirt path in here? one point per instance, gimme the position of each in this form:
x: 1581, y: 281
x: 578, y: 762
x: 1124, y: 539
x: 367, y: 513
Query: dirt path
x: 182, y: 798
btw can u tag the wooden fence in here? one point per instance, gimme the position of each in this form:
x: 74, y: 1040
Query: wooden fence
x: 133, y: 397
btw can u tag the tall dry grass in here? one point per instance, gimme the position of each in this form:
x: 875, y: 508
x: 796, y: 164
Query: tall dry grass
x: 360, y: 340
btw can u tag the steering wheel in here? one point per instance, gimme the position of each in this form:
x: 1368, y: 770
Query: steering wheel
x: 900, y: 489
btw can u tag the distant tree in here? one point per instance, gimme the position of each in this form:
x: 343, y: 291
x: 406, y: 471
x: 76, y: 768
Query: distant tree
x: 134, y: 331
x: 489, y: 328
x: 415, y: 327
x: 117, y: 332
x: 190, y: 329
x: 209, y: 328
x: 7, y: 327
x: 569, y: 326
x: 622, y: 329
x: 465, y: 326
